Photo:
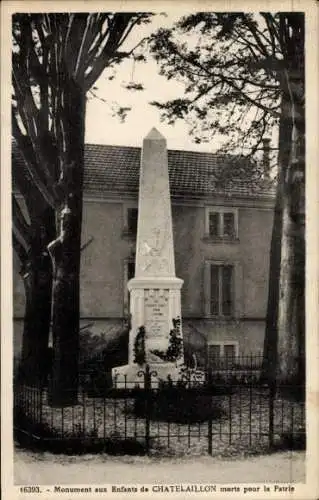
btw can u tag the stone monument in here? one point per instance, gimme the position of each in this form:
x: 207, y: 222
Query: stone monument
x: 155, y: 302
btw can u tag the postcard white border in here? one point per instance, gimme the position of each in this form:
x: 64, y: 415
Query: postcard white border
x: 311, y: 488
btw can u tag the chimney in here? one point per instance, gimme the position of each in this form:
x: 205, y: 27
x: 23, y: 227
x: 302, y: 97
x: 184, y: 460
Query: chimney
x: 266, y: 157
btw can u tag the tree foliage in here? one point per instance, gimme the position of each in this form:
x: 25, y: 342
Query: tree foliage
x: 226, y: 62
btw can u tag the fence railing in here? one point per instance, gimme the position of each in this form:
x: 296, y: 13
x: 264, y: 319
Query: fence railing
x: 206, y: 416
x: 240, y: 368
x: 231, y: 368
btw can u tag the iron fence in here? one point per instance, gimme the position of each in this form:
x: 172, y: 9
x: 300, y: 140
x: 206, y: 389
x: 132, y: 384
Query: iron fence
x: 210, y: 415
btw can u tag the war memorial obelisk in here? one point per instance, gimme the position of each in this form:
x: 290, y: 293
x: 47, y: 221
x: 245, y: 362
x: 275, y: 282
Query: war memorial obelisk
x: 155, y: 291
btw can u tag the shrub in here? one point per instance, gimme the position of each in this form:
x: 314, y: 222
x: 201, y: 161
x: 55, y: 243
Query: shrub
x: 291, y: 440
x: 176, y: 404
x: 98, y: 355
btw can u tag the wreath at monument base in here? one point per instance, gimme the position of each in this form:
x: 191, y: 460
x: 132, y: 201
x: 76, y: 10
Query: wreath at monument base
x: 139, y: 346
x: 172, y: 354
x: 175, y: 346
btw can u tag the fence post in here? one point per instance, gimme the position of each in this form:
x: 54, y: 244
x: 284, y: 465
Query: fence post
x: 41, y: 402
x: 210, y: 419
x: 148, y: 395
x: 272, y: 395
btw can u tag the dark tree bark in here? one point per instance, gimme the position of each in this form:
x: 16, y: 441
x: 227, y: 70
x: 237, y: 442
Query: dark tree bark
x: 284, y: 344
x: 291, y: 314
x: 36, y: 273
x: 270, y: 356
x: 270, y: 339
x: 285, y: 331
x: 65, y: 252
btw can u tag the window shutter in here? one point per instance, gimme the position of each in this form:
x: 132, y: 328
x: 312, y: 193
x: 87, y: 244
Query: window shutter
x: 229, y: 354
x: 214, y: 290
x: 238, y: 292
x: 229, y: 224
x: 214, y: 355
x: 214, y: 224
x: 227, y: 302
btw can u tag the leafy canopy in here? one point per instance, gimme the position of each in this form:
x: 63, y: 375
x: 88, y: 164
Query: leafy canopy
x: 231, y: 65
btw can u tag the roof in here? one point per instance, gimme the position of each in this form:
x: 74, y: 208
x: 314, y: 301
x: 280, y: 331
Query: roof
x: 191, y: 174
x: 116, y: 168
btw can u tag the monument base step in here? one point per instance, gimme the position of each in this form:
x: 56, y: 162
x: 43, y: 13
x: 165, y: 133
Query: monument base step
x: 130, y: 376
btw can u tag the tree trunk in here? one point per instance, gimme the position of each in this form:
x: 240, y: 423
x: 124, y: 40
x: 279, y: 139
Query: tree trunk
x: 269, y: 366
x: 37, y: 285
x: 287, y: 348
x: 37, y: 278
x: 270, y: 340
x: 284, y: 343
x: 291, y: 330
x: 65, y: 252
x: 291, y: 319
x: 284, y: 336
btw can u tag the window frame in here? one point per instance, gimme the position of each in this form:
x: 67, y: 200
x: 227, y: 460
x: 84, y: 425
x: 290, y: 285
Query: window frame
x: 126, y: 231
x: 222, y: 344
x: 220, y: 314
x: 221, y: 211
x: 236, y: 289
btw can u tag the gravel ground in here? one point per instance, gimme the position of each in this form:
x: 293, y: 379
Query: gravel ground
x: 46, y: 468
x: 241, y: 425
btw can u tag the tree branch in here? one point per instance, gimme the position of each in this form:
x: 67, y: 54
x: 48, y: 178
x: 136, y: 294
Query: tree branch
x: 19, y: 221
x: 20, y: 249
x: 27, y: 152
x: 109, y: 53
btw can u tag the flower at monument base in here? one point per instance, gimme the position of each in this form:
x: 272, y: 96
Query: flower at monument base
x: 139, y: 346
x: 191, y: 377
x: 174, y: 351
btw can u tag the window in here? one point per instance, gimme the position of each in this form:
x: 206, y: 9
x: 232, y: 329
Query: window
x: 132, y: 215
x: 130, y: 270
x: 223, y: 282
x: 221, y: 223
x: 221, y: 290
x: 129, y: 273
x: 214, y: 224
x: 222, y: 354
x: 215, y: 354
x: 229, y: 225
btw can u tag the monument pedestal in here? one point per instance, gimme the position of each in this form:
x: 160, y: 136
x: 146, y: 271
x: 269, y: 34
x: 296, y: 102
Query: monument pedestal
x: 155, y: 306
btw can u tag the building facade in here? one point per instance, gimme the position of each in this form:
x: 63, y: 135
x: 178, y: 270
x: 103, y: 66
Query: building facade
x: 221, y: 243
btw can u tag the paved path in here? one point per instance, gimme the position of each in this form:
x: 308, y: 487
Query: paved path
x: 45, y: 468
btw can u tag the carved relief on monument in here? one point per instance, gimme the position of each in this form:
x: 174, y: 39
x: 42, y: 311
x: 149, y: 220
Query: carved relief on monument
x: 155, y: 264
x: 152, y: 250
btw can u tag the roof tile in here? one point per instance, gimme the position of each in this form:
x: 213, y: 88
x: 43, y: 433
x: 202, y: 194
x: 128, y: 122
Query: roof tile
x: 116, y: 168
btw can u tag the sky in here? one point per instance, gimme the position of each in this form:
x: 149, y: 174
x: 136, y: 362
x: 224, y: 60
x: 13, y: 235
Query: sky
x: 103, y: 128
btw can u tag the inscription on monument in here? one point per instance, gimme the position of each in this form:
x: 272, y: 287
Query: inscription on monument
x: 156, y: 313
